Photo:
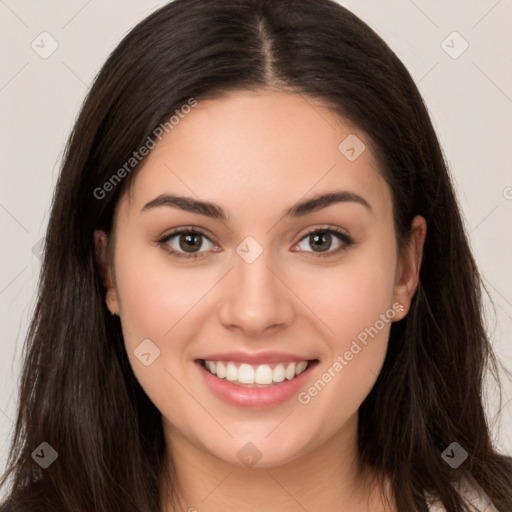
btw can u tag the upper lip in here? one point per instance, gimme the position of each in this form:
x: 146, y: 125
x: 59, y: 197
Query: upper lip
x: 255, y: 358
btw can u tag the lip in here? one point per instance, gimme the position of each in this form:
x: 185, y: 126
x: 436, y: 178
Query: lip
x: 257, y: 358
x: 256, y: 398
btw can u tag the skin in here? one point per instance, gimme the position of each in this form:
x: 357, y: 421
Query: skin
x: 255, y: 154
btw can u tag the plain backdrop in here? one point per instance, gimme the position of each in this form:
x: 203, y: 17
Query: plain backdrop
x: 459, y: 52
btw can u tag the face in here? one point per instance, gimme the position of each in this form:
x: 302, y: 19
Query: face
x: 252, y: 284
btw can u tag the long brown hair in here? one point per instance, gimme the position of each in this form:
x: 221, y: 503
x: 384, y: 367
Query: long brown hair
x: 78, y: 392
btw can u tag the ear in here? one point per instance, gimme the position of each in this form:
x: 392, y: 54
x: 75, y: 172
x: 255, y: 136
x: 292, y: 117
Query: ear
x: 408, y: 266
x: 106, y: 274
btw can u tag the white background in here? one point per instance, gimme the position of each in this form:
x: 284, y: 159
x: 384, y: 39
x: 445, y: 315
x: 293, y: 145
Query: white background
x: 469, y: 98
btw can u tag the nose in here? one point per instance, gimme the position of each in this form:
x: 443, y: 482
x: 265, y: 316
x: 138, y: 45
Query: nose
x: 256, y: 298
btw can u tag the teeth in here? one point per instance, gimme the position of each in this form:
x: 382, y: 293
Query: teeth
x: 289, y: 373
x: 231, y: 372
x: 255, y: 374
x: 245, y: 374
x: 210, y: 367
x: 221, y: 369
x: 263, y: 375
x: 301, y: 367
x: 278, y: 373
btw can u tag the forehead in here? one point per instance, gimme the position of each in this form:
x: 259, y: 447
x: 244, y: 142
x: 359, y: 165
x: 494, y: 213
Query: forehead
x: 259, y: 148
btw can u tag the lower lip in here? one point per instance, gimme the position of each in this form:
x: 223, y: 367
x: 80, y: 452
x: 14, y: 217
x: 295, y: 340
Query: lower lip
x: 241, y: 396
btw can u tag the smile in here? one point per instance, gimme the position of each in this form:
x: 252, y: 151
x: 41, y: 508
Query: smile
x: 257, y: 386
x: 262, y: 375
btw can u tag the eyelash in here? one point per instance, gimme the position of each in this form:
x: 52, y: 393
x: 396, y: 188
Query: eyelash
x: 345, y: 239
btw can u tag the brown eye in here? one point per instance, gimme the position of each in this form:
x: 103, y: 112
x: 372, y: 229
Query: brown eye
x: 187, y: 243
x: 190, y: 242
x: 321, y: 242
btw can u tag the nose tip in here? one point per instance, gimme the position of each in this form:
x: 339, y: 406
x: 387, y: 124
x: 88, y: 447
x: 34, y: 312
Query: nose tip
x: 256, y: 301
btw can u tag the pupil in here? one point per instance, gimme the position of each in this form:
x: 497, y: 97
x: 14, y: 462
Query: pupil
x: 190, y: 241
x: 320, y: 241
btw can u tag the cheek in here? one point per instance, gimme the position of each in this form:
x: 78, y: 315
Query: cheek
x: 154, y: 296
x: 156, y: 301
x: 351, y: 296
x: 354, y: 306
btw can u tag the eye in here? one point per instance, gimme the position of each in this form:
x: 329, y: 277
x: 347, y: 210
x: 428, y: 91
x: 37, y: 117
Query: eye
x: 186, y: 243
x: 321, y: 240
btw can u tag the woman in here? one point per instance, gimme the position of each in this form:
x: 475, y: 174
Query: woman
x: 257, y: 292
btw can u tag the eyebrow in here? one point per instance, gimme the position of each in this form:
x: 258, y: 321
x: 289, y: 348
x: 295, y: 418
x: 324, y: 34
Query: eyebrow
x: 299, y: 209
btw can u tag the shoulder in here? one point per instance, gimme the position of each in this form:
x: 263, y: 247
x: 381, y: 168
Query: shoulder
x: 472, y: 494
